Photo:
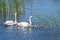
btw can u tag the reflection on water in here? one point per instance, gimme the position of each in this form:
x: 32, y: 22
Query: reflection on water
x: 16, y: 33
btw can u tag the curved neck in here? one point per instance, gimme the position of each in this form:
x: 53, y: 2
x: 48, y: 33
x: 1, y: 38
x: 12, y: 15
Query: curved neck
x: 15, y: 19
x: 30, y: 21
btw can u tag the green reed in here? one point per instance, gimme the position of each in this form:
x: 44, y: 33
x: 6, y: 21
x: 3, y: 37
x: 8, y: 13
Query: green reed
x: 10, y: 7
x: 44, y: 22
x: 50, y: 22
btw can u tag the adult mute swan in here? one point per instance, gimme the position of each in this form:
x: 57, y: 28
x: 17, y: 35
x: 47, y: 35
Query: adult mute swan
x: 25, y: 24
x: 10, y: 22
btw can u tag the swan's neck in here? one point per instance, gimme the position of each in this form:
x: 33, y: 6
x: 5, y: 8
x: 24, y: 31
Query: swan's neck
x: 15, y: 19
x: 30, y: 21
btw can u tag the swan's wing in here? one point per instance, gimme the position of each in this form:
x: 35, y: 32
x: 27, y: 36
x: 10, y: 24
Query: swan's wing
x: 9, y: 23
x: 24, y: 24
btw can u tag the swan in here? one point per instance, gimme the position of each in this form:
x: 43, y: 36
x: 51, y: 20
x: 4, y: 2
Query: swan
x: 10, y: 22
x: 25, y: 24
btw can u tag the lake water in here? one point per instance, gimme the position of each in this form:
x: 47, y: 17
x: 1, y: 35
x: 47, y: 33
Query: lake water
x: 39, y: 8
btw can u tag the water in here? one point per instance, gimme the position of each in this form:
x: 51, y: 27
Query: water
x: 15, y: 33
x: 39, y: 7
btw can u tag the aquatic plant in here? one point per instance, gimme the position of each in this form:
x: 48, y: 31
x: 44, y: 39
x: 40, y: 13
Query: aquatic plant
x: 4, y: 9
x: 53, y: 21
x: 50, y: 22
x: 18, y: 8
x: 10, y: 7
x: 0, y: 9
x: 0, y: 4
x: 44, y: 23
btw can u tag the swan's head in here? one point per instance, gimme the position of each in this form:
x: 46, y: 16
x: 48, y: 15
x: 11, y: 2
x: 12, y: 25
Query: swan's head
x: 31, y: 17
x: 16, y: 13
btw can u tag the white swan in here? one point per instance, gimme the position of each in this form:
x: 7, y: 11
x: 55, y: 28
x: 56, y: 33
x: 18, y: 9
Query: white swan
x: 25, y: 24
x: 10, y: 22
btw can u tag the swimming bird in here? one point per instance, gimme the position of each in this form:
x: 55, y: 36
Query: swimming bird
x: 25, y: 24
x: 10, y: 22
